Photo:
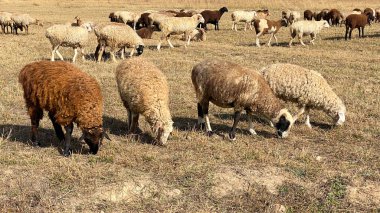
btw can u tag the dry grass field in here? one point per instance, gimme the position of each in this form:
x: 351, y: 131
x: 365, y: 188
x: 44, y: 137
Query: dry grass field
x: 323, y: 169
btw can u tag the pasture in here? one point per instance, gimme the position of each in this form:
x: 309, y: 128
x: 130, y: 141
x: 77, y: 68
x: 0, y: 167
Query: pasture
x: 323, y: 169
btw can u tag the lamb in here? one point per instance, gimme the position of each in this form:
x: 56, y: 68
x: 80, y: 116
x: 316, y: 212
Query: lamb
x: 117, y: 36
x: 243, y: 16
x: 178, y: 25
x: 304, y: 28
x: 67, y: 36
x: 144, y: 90
x: 197, y: 35
x: 146, y: 32
x: 22, y: 21
x: 265, y: 26
x: 6, y: 21
x: 334, y: 17
x: 291, y: 16
x: 212, y: 17
x: 308, y: 15
x: 307, y: 88
x: 357, y: 21
x: 229, y: 85
x: 70, y: 96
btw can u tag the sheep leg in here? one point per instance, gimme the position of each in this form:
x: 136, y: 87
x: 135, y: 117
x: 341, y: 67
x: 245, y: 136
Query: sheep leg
x: 233, y: 25
x: 232, y: 134
x: 307, y: 122
x: 170, y: 43
x: 250, y: 125
x: 313, y: 36
x: 300, y: 112
x: 122, y: 54
x: 112, y: 52
x: 69, y: 129
x: 134, y: 122
x: 188, y: 39
x: 132, y: 52
x: 27, y: 29
x: 270, y: 39
x: 257, y: 39
x: 350, y: 33
x: 275, y: 38
x: 75, y: 54
x: 345, y: 37
x: 245, y: 26
x: 362, y: 32
x: 83, y: 53
x: 101, y: 50
x: 359, y: 32
x: 291, y: 41
x: 201, y: 121
x: 205, y: 107
x: 300, y: 38
x: 36, y: 115
x: 57, y: 127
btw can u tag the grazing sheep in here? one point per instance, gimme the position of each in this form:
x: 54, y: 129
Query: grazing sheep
x: 127, y: 17
x: 212, y: 17
x: 22, y: 21
x: 308, y: 15
x: 6, y: 21
x: 115, y: 36
x: 321, y: 15
x: 291, y: 16
x: 146, y: 32
x: 229, y: 85
x: 178, y: 25
x: 243, y: 16
x: 198, y: 34
x: 144, y: 91
x: 69, y: 95
x: 185, y: 13
x: 372, y: 11
x: 357, y: 21
x: 305, y: 87
x: 157, y: 18
x: 377, y: 12
x: 304, y: 28
x: 356, y: 11
x: 264, y: 26
x: 67, y: 36
x: 334, y: 17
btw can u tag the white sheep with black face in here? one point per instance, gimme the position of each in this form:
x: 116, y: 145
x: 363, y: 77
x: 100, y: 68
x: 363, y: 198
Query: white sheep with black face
x: 307, y: 88
x: 305, y: 28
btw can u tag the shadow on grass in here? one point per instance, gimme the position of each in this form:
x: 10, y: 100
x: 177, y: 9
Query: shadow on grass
x: 353, y: 37
x: 46, y: 137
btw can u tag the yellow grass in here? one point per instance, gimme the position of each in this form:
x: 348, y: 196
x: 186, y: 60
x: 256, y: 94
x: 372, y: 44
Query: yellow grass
x: 315, y: 170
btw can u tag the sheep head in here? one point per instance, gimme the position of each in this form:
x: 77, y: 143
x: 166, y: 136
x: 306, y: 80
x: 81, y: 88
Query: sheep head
x: 199, y: 17
x: 163, y: 130
x: 94, y: 137
x: 223, y: 10
x: 140, y: 49
x: 283, y: 122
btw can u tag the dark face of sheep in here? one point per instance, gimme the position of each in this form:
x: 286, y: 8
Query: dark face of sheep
x: 140, y: 49
x: 94, y: 137
x: 223, y: 10
x: 284, y: 22
x: 282, y: 127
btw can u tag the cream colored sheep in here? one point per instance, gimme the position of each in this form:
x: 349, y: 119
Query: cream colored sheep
x: 6, y: 21
x: 22, y: 21
x: 116, y: 36
x: 243, y: 16
x: 229, y: 85
x: 67, y: 36
x: 304, y: 28
x: 125, y: 17
x: 178, y: 25
x: 307, y: 88
x: 144, y: 90
x: 291, y: 16
x: 196, y: 35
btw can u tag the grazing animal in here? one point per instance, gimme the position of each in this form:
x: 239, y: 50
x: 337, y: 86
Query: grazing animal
x: 70, y: 96
x: 377, y: 12
x: 6, y: 22
x: 229, y: 85
x: 144, y: 90
x: 304, y: 28
x: 262, y: 14
x: 22, y: 21
x: 196, y: 35
x: 265, y: 26
x: 321, y: 15
x: 243, y: 16
x: 291, y: 16
x: 67, y: 36
x: 146, y: 32
x: 308, y: 15
x: 334, y: 17
x: 212, y: 17
x: 307, y: 88
x: 178, y: 25
x: 370, y: 10
x: 358, y: 21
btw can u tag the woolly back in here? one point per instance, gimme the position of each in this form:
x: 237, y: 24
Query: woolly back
x: 61, y: 88
x: 119, y: 33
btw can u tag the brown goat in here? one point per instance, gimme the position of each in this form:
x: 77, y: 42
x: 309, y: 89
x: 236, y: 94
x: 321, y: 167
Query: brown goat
x: 69, y: 95
x: 213, y: 17
x: 264, y: 26
x: 357, y: 21
x: 308, y: 15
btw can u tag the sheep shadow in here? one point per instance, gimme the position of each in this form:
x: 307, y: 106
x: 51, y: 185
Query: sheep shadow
x: 191, y: 124
x: 46, y: 138
x: 120, y: 128
x: 264, y: 44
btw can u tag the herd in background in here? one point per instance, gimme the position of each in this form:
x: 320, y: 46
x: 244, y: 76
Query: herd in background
x: 128, y: 29
x: 143, y: 87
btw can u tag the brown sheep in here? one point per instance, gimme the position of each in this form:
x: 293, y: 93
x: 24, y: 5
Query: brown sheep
x: 370, y: 10
x: 264, y: 26
x: 146, y: 32
x: 308, y: 15
x: 357, y: 21
x: 213, y: 17
x: 334, y: 17
x: 69, y: 95
x: 321, y: 15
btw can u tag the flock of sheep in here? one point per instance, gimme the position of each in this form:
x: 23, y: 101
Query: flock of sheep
x: 72, y: 96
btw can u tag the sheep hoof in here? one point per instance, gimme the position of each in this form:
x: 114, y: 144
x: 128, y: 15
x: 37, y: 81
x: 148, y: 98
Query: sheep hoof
x: 209, y: 133
x: 67, y: 153
x: 231, y: 136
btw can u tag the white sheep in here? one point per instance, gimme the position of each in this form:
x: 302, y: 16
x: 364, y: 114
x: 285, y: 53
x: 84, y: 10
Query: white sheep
x: 89, y: 25
x: 229, y: 85
x: 307, y: 88
x: 67, y: 36
x: 304, y: 28
x: 125, y: 17
x: 178, y: 25
x: 144, y: 90
x: 115, y: 35
x: 243, y: 16
x: 198, y: 34
x: 22, y: 21
x: 6, y: 21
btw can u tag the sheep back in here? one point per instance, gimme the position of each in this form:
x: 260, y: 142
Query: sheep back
x: 67, y: 36
x: 118, y: 35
